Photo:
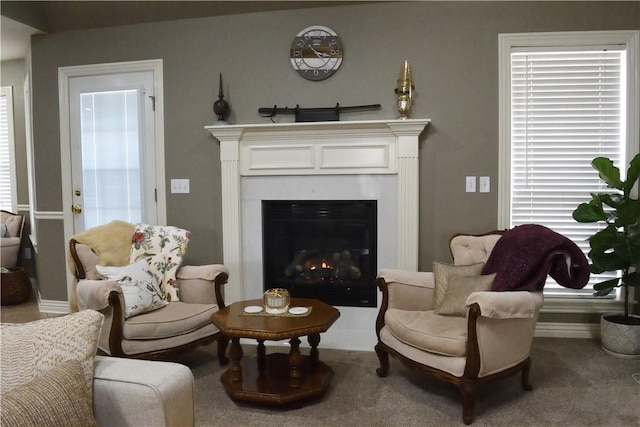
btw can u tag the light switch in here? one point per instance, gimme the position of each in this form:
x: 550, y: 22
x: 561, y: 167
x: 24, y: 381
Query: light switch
x: 180, y: 186
x: 470, y: 184
x: 485, y: 184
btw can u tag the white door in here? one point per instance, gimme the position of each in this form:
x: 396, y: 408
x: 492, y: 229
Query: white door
x: 113, y: 149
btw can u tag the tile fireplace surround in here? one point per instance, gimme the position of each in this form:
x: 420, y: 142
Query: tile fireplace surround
x: 349, y: 160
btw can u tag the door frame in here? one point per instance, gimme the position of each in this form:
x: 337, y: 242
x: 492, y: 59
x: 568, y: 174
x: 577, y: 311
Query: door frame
x: 64, y: 75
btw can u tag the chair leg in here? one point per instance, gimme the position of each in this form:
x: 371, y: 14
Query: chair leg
x: 468, y: 392
x: 526, y: 385
x: 223, y: 342
x: 383, y: 357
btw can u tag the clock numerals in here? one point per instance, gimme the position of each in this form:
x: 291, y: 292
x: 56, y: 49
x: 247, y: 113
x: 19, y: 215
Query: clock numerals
x: 316, y: 53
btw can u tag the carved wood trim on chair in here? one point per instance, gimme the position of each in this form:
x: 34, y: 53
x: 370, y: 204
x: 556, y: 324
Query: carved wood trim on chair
x: 116, y: 335
x: 469, y: 382
x: 79, y: 268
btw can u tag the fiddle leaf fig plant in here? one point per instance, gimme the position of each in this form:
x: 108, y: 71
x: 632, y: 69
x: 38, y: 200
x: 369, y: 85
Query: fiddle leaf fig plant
x: 617, y: 246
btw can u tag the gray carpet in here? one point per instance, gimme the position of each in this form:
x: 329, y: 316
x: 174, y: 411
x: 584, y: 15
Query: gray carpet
x: 575, y: 384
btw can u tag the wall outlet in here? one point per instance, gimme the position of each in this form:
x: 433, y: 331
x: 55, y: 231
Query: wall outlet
x: 180, y: 186
x: 470, y: 184
x: 485, y: 184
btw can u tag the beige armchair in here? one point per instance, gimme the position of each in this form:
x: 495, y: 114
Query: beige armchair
x: 174, y: 327
x: 490, y: 336
x: 10, y: 238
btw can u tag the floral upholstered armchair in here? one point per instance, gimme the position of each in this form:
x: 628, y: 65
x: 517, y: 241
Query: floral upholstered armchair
x: 473, y: 321
x: 153, y: 305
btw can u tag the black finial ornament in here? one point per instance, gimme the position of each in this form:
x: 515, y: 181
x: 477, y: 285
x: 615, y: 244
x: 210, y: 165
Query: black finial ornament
x: 221, y: 107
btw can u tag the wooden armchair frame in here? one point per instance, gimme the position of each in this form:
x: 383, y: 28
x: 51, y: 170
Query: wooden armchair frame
x: 469, y: 382
x: 116, y: 331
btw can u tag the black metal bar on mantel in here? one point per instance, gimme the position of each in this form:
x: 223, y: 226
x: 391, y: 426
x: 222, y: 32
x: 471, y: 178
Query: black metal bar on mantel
x: 314, y: 114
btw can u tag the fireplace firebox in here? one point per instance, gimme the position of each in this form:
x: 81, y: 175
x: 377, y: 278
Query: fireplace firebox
x: 321, y: 249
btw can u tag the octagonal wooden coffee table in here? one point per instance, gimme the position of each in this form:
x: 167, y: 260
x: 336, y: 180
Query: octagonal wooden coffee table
x: 276, y: 378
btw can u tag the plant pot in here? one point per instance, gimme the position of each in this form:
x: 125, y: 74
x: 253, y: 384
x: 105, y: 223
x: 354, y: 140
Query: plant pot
x: 620, y: 335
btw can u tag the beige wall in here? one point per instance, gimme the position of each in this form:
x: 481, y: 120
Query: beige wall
x: 452, y: 47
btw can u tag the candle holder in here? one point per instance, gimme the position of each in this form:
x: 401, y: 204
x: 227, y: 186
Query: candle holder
x: 276, y: 301
x: 221, y: 107
x: 404, y: 91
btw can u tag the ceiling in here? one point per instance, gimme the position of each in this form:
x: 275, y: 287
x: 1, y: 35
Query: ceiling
x: 21, y: 19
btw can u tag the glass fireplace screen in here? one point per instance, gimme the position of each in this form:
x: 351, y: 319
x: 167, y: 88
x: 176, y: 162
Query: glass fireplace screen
x: 321, y: 249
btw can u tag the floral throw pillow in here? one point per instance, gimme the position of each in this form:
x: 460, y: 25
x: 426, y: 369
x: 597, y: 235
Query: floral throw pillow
x: 139, y: 287
x: 163, y: 247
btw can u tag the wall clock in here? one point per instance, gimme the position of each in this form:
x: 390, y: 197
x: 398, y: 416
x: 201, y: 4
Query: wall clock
x: 316, y: 53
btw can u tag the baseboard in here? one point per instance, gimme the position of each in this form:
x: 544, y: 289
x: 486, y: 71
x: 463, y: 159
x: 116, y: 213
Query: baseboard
x: 53, y: 306
x: 567, y: 330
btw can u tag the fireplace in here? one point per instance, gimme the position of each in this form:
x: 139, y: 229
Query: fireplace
x: 321, y: 249
x: 374, y: 160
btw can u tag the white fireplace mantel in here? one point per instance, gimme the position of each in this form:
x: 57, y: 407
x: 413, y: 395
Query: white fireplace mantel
x: 379, y: 147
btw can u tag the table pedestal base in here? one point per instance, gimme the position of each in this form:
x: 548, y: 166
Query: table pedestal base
x: 275, y: 385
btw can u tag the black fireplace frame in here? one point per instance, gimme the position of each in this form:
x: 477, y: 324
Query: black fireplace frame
x: 359, y: 217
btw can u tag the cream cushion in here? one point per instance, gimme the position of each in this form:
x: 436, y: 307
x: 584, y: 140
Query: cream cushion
x: 175, y: 319
x: 139, y: 287
x: 443, y: 272
x: 59, y: 397
x: 459, y: 289
x: 428, y: 331
x: 13, y: 223
x: 31, y: 349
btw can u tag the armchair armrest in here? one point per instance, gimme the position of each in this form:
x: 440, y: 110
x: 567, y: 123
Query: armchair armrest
x: 407, y: 290
x: 504, y: 305
x: 94, y: 294
x: 202, y: 284
x: 404, y: 290
x: 206, y: 272
x: 496, y: 318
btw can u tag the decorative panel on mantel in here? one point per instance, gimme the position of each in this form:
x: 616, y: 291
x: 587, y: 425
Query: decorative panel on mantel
x: 320, y: 148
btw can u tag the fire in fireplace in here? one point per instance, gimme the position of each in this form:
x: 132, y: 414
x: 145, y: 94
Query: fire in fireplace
x: 321, y: 249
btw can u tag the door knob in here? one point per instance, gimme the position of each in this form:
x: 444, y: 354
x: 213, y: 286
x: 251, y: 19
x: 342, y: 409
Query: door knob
x: 76, y: 209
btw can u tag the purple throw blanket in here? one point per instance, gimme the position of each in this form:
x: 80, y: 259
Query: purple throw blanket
x: 524, y: 255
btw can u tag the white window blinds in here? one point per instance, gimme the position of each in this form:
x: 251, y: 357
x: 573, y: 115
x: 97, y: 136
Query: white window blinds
x: 7, y: 162
x: 567, y: 107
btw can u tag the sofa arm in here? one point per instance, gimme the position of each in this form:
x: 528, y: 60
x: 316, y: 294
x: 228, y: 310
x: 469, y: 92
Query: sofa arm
x: 202, y: 284
x: 505, y: 305
x: 94, y: 294
x: 131, y: 392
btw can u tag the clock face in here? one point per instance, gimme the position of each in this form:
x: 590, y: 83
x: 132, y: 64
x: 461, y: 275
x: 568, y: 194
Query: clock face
x: 316, y: 53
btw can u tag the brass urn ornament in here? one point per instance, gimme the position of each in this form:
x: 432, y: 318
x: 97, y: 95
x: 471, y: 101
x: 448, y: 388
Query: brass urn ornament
x: 404, y: 91
x: 221, y: 107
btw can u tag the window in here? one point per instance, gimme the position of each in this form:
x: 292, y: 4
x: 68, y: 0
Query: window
x: 8, y: 194
x: 565, y: 99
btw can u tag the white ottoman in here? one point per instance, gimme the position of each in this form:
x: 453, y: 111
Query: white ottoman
x: 131, y: 392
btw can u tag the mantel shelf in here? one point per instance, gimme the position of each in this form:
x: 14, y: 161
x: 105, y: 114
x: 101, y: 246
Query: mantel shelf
x: 368, y: 125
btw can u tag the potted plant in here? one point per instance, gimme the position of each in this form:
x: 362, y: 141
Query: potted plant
x: 616, y: 248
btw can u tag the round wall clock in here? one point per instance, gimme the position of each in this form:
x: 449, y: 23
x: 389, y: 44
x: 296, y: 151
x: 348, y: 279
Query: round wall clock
x: 316, y: 53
